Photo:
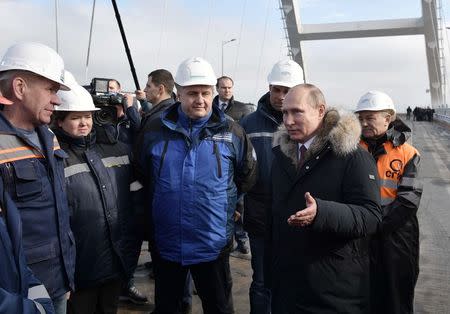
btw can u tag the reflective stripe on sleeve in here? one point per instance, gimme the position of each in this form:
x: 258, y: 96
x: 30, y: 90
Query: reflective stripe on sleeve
x: 38, y: 292
x: 115, y: 161
x: 390, y: 184
x: 76, y: 169
x: 135, y: 186
x: 260, y: 134
x: 407, y: 181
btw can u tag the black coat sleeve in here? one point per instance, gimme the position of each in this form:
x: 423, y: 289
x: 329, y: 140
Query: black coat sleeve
x: 359, y: 213
x: 246, y: 170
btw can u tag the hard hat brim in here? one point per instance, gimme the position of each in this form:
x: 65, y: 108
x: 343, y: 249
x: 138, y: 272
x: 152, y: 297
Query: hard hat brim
x: 198, y: 81
x: 284, y: 84
x: 62, y: 85
x: 77, y: 110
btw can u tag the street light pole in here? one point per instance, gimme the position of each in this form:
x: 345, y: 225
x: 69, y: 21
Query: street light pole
x: 224, y: 42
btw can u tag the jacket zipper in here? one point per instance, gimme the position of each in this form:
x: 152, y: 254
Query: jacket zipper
x: 219, y: 163
x: 163, y: 155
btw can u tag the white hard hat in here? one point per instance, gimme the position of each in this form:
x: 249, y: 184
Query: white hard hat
x: 375, y: 101
x: 76, y: 99
x: 36, y: 58
x: 286, y: 73
x: 195, y: 71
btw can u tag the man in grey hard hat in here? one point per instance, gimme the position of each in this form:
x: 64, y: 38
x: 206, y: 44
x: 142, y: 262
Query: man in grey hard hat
x: 31, y: 164
x: 195, y: 164
x: 260, y: 127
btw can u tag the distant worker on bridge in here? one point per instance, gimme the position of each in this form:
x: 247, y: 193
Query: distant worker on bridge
x: 395, y: 253
x: 408, y: 113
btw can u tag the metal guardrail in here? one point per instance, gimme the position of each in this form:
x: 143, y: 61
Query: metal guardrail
x: 442, y: 114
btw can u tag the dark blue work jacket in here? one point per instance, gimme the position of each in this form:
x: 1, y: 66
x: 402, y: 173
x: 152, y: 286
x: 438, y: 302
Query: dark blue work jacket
x: 20, y: 290
x: 98, y: 177
x: 34, y: 178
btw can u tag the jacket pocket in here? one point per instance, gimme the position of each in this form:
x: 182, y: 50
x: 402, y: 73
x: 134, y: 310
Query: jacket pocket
x: 42, y: 252
x: 28, y: 184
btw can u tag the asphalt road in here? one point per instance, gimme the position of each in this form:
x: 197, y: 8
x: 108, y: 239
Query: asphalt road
x: 433, y: 287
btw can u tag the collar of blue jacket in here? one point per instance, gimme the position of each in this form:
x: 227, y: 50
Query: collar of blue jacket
x: 212, y: 123
x: 193, y: 127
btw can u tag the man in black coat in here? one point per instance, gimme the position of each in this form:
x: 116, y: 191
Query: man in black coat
x: 325, y: 205
x: 260, y: 127
x: 226, y: 102
x: 159, y: 92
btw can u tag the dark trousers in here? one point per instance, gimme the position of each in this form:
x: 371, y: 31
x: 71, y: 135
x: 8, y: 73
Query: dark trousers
x: 259, y: 294
x: 101, y: 299
x: 395, y: 270
x: 239, y: 233
x: 212, y: 280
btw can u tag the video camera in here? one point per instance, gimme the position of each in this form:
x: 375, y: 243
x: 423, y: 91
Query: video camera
x: 104, y: 100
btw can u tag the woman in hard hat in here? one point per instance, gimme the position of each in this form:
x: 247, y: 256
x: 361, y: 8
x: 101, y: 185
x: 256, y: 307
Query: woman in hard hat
x: 97, y: 174
x: 395, y: 250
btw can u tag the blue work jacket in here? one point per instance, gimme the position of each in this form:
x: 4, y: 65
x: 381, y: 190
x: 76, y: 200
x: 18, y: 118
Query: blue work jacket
x: 34, y: 178
x: 194, y: 178
x: 20, y: 290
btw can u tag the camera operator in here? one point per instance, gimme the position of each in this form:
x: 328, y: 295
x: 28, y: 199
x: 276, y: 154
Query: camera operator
x: 128, y: 117
x: 125, y: 131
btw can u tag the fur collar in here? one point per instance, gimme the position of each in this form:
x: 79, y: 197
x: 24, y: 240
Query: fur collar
x: 340, y: 129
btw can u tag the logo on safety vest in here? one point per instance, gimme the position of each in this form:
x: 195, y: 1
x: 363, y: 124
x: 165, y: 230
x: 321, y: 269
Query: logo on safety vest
x: 396, y: 166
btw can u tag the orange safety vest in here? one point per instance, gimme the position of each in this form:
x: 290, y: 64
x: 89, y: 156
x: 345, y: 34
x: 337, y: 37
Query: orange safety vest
x: 391, y: 167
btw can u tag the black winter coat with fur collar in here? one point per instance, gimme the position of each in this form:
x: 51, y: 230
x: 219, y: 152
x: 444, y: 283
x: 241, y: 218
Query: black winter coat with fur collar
x: 324, y: 267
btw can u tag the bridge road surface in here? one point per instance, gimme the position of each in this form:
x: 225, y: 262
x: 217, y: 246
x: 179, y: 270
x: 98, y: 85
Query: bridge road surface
x: 433, y: 287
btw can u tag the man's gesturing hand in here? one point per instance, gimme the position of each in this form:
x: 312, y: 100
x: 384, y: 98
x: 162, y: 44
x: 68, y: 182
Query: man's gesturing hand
x: 305, y: 216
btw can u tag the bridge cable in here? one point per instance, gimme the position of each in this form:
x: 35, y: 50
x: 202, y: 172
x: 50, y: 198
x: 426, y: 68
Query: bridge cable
x: 239, y: 38
x: 56, y: 26
x: 211, y: 6
x: 262, y: 49
x: 90, y: 40
x: 161, y: 34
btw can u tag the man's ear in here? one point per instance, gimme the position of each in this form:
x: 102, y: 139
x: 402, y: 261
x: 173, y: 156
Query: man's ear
x: 388, y: 118
x: 19, y: 86
x: 322, y: 110
x: 161, y: 89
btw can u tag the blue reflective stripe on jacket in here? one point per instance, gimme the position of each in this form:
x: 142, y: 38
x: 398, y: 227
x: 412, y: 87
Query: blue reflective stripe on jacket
x: 36, y: 185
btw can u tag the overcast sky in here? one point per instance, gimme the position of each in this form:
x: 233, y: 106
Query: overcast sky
x: 161, y: 34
